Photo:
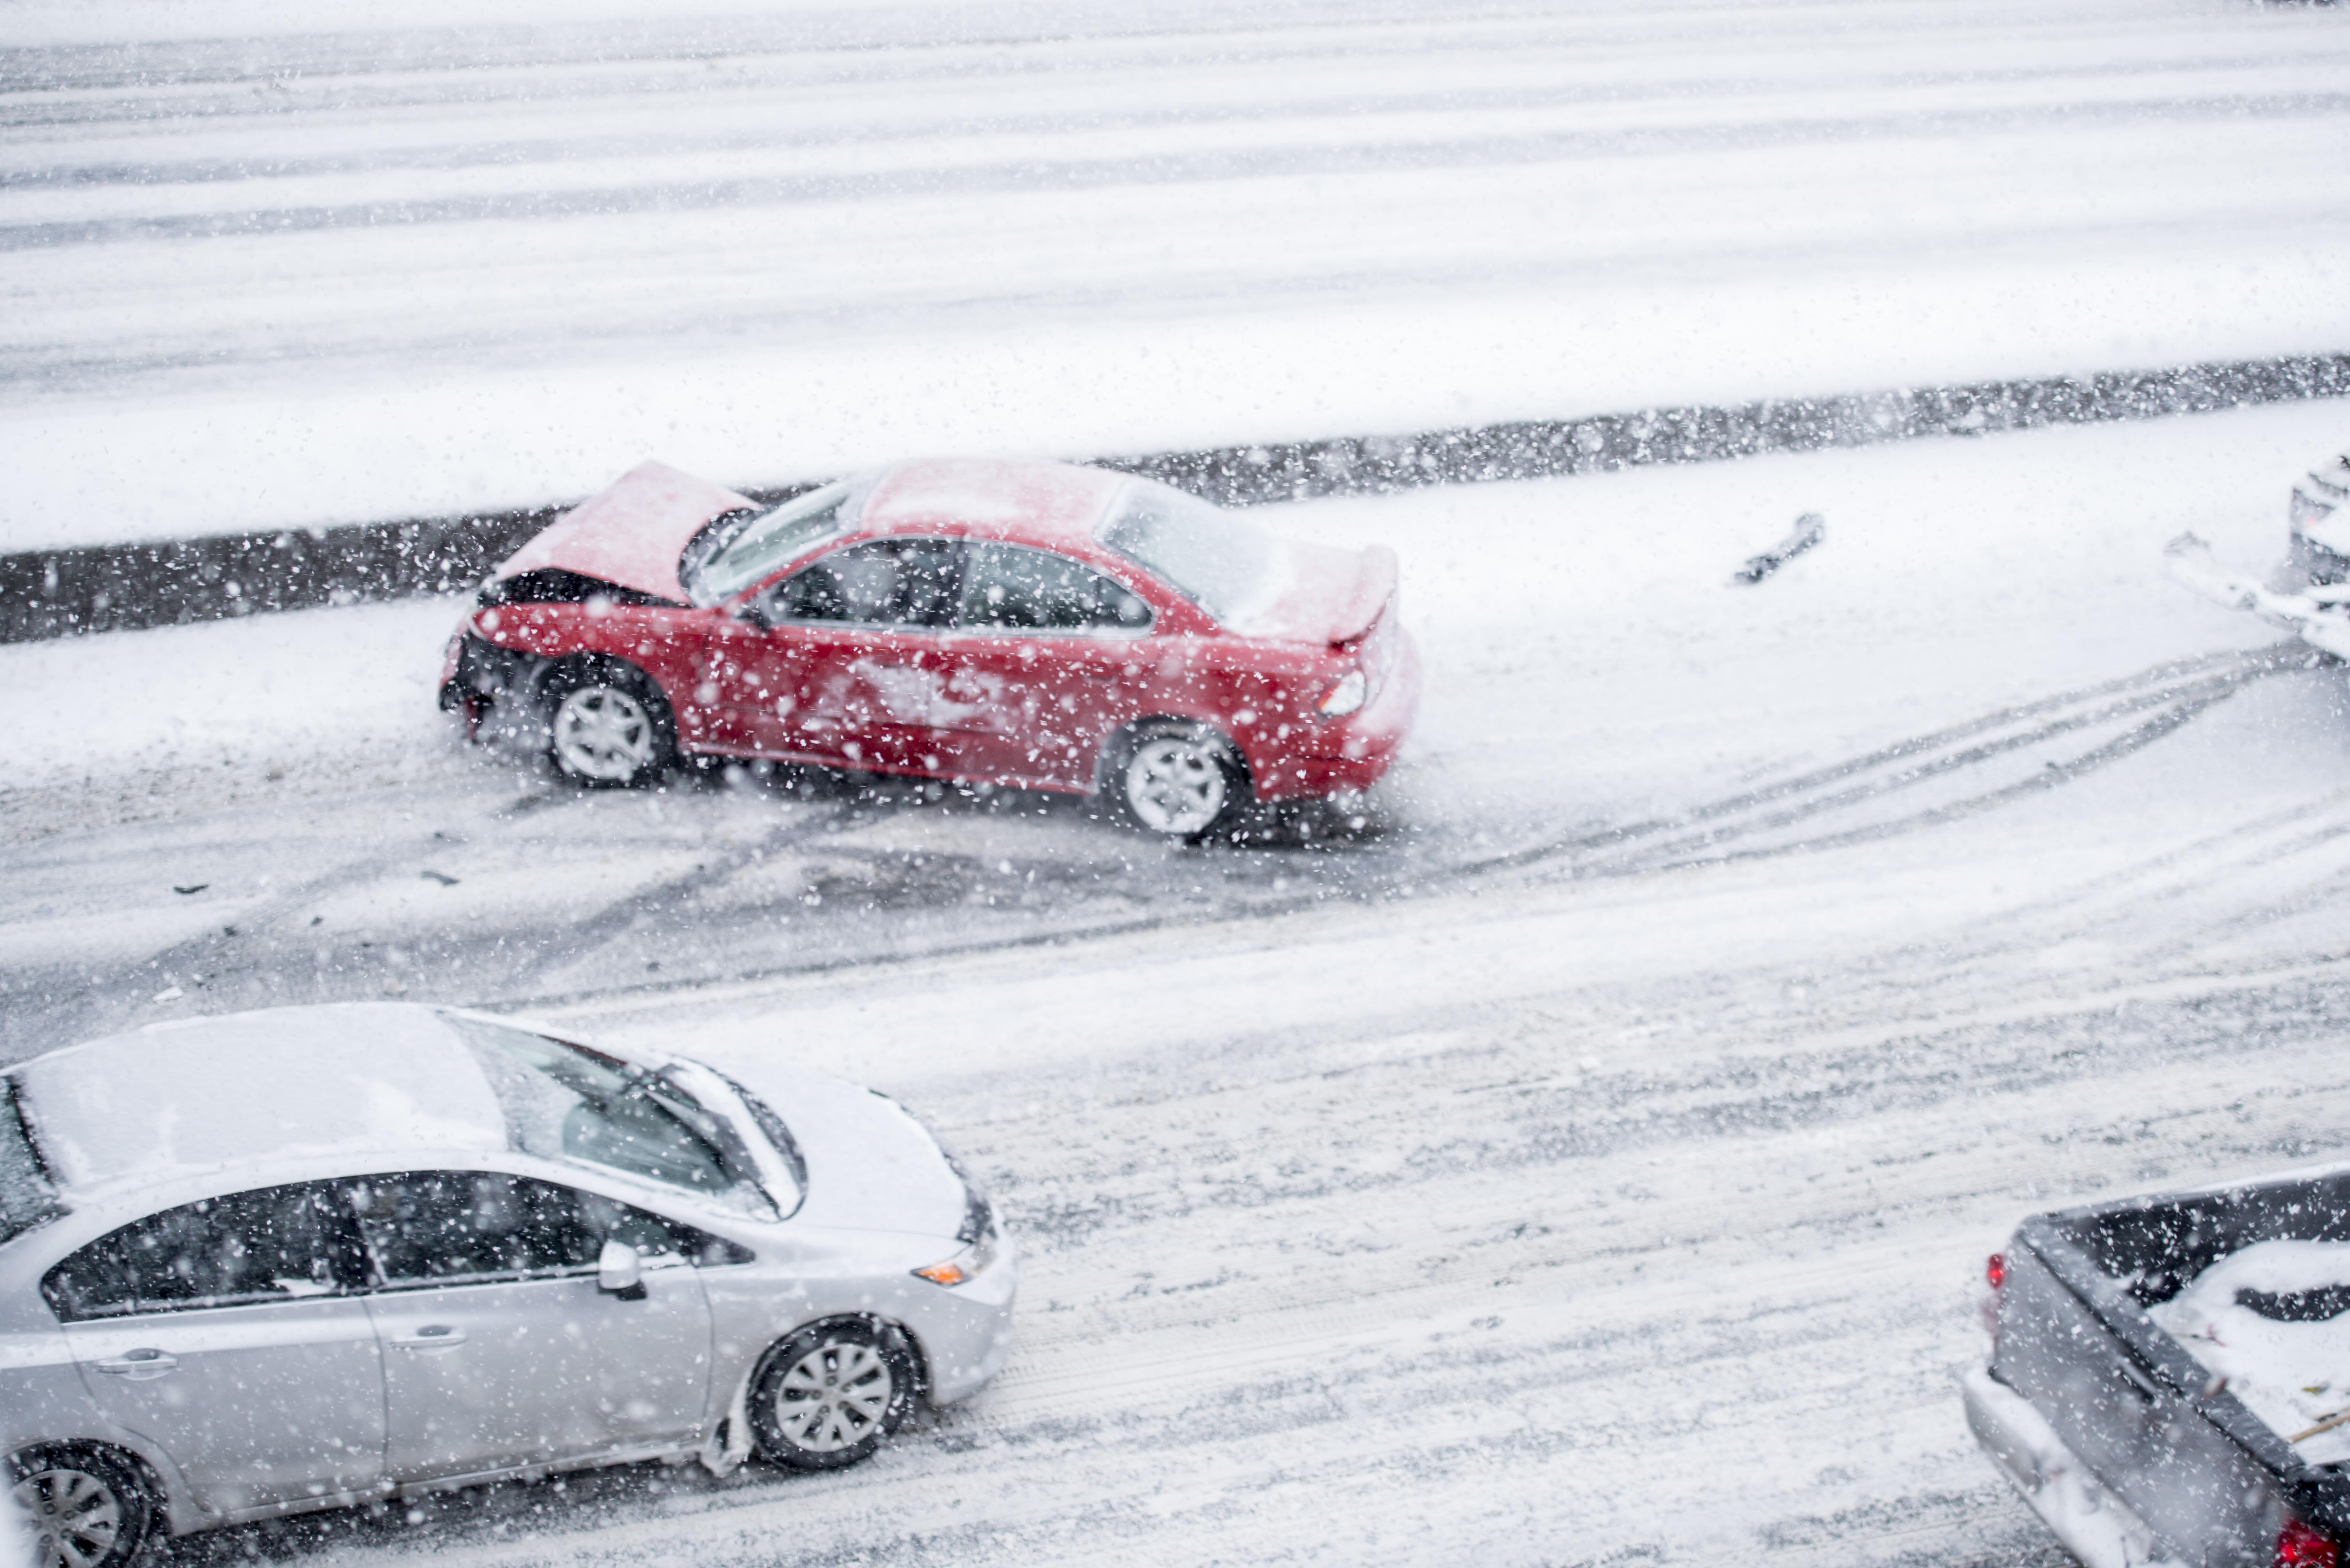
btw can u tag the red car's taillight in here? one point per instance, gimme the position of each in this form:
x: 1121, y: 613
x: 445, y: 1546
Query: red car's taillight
x: 1346, y: 696
x: 2299, y: 1546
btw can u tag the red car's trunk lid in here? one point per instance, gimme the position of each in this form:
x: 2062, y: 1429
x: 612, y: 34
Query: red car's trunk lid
x: 1333, y: 595
x: 632, y: 534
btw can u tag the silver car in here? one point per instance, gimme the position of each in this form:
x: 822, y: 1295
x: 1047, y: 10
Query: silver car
x: 320, y: 1256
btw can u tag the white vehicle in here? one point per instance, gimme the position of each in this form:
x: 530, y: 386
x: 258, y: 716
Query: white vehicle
x: 319, y: 1256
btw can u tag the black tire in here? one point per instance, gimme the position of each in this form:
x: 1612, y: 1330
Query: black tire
x: 97, y: 1499
x: 830, y: 1393
x: 608, y: 726
x: 1176, y: 779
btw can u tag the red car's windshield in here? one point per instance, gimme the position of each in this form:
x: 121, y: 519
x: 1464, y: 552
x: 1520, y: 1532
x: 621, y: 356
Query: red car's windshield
x: 1230, y: 568
x: 722, y: 565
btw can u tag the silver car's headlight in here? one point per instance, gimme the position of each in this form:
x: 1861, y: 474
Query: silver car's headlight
x: 979, y: 1236
x: 965, y: 1265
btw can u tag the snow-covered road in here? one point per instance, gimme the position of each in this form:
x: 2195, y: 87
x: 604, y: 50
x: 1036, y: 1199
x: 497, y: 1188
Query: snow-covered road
x: 1586, y: 1156
x: 372, y: 263
x: 1621, y: 1200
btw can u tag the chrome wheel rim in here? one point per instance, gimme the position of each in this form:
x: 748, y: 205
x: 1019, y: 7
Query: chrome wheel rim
x: 1176, y: 784
x: 835, y: 1397
x: 76, y: 1517
x: 603, y: 733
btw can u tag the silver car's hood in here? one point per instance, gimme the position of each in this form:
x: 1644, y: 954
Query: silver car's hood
x: 871, y: 1165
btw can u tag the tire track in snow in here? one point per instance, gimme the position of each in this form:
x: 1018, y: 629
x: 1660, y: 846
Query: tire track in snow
x: 2172, y: 694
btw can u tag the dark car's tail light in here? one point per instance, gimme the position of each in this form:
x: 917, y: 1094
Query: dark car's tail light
x: 2299, y: 1546
x: 1995, y: 1269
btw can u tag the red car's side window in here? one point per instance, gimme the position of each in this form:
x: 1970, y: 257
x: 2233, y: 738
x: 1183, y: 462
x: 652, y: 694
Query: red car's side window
x: 1012, y: 588
x: 882, y: 582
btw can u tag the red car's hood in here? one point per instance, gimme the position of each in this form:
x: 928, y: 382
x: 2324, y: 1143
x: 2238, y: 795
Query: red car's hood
x: 632, y: 533
x: 1332, y: 595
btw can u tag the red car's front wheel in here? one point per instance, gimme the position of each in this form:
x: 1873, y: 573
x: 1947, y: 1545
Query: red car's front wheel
x: 607, y: 725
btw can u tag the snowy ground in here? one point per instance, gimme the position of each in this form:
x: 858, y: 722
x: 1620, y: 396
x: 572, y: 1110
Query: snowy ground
x: 266, y: 265
x: 1388, y: 1200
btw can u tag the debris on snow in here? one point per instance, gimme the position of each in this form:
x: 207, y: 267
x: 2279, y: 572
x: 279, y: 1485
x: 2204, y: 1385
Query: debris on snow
x: 1808, y: 530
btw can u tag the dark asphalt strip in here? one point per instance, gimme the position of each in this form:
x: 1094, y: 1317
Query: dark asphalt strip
x: 122, y: 587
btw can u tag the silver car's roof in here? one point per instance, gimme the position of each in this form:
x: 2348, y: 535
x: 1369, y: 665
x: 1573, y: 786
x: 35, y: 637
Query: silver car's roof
x: 175, y: 1099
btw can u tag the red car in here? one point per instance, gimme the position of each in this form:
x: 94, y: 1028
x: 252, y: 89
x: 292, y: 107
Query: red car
x: 1025, y: 624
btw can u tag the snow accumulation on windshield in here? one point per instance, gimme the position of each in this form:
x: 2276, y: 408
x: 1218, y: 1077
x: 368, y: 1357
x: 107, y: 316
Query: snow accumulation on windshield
x: 1228, y: 568
x: 2274, y: 1321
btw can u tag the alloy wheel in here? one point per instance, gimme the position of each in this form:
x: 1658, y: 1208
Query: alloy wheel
x: 601, y: 732
x: 834, y: 1397
x: 1176, y: 784
x: 76, y: 1517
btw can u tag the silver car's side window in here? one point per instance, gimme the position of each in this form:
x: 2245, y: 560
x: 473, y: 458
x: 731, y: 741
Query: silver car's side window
x: 278, y: 1243
x: 453, y: 1227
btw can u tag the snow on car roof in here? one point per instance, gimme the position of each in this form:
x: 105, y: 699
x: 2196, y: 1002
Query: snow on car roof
x: 1037, y: 501
x: 207, y: 1094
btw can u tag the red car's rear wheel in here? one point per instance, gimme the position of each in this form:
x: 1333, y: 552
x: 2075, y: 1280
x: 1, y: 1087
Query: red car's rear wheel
x: 1177, y: 778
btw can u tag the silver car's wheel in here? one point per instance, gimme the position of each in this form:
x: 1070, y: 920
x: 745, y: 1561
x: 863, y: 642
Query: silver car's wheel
x: 829, y: 1395
x: 832, y: 1396
x: 1178, y: 781
x: 83, y: 1511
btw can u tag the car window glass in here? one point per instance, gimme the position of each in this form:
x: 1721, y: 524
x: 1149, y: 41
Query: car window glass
x: 882, y: 582
x: 566, y: 1102
x: 722, y: 564
x: 26, y: 1197
x: 443, y: 1226
x: 1010, y: 587
x: 1230, y: 567
x: 279, y: 1243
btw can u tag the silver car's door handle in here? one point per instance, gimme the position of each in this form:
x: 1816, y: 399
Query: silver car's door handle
x: 432, y: 1336
x: 139, y: 1364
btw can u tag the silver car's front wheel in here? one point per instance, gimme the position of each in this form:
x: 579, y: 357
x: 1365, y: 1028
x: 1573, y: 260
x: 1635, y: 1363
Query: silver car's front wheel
x: 829, y: 1395
x: 84, y: 1510
x: 1179, y: 780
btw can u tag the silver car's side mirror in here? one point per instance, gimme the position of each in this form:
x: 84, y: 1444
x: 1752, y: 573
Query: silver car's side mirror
x: 619, y: 1273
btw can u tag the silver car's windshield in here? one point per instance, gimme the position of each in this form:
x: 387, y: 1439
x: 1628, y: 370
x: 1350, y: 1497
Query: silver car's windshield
x: 566, y: 1102
x: 722, y: 565
x: 1228, y: 568
x: 25, y: 1198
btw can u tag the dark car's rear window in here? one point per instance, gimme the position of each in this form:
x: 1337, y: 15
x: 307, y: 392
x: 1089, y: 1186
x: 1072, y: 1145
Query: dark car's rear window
x: 26, y: 1197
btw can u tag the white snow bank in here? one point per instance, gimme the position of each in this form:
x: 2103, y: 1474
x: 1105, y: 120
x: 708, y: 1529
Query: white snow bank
x: 446, y: 443
x: 1134, y: 230
x: 2293, y: 1375
x: 324, y: 692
